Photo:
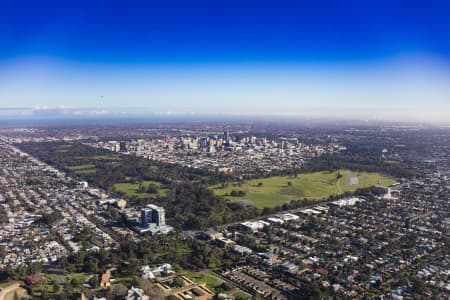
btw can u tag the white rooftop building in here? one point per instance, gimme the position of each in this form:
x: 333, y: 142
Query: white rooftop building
x: 347, y: 202
x: 136, y: 294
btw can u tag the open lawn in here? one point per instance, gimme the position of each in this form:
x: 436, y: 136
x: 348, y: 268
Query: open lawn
x: 113, y: 157
x: 80, y: 167
x: 81, y: 277
x: 132, y: 189
x: 213, y: 281
x: 87, y: 164
x: 276, y: 190
x: 122, y: 279
x: 210, y: 279
x: 63, y: 148
x: 85, y: 172
x: 391, y: 162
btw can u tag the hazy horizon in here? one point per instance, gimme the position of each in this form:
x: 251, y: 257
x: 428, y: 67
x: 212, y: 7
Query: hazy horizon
x: 44, y: 115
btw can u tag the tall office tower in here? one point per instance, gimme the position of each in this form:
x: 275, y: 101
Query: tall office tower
x: 123, y: 147
x: 226, y: 136
x: 153, y: 214
x: 158, y: 215
x: 146, y: 216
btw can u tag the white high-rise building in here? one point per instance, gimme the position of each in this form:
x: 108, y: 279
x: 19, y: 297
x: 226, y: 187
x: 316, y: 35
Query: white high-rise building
x: 153, y: 214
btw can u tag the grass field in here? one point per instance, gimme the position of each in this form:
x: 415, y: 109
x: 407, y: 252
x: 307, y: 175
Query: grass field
x: 112, y: 157
x: 213, y: 281
x: 89, y: 168
x: 276, y: 191
x: 85, y: 171
x: 391, y: 162
x: 80, y: 167
x: 81, y: 277
x: 132, y: 189
x: 109, y: 157
x: 63, y: 148
x: 207, y: 277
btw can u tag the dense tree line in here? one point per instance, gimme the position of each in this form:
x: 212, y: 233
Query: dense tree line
x: 197, y: 207
x: 190, y: 204
x: 184, y: 254
x: 130, y: 256
x: 111, y: 168
x: 356, y: 162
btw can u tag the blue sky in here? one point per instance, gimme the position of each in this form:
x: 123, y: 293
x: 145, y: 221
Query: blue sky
x: 352, y: 58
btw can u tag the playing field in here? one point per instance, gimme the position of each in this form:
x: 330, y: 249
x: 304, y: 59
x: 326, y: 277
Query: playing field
x: 88, y: 168
x: 274, y: 191
x: 81, y: 167
x: 132, y: 189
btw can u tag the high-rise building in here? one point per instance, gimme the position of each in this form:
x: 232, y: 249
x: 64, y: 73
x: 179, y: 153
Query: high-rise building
x: 146, y: 216
x: 158, y: 215
x: 153, y: 220
x: 122, y: 147
x: 153, y: 214
x: 226, y: 136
